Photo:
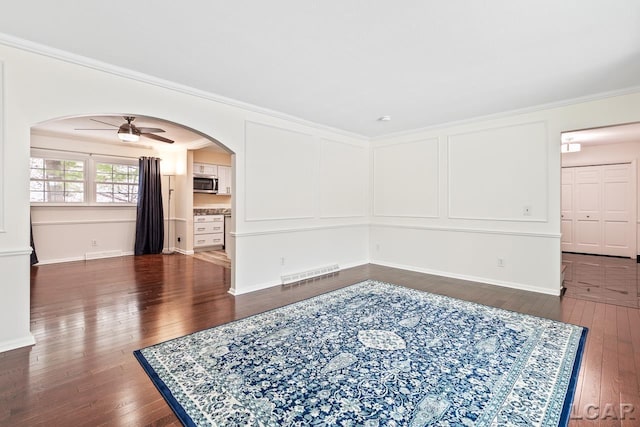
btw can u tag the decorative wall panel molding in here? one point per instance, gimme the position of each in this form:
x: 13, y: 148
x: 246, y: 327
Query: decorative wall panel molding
x: 499, y: 174
x: 406, y: 179
x: 280, y: 173
x: 343, y: 180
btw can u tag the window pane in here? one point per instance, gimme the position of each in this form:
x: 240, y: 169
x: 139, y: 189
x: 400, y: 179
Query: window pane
x: 36, y: 196
x: 74, y: 175
x: 104, y: 198
x: 54, y: 186
x: 74, y: 165
x: 133, y: 198
x: 74, y: 197
x: 121, y: 169
x: 54, y: 174
x: 36, y: 186
x: 77, y: 187
x: 121, y: 188
x: 120, y: 177
x: 56, y: 181
x: 104, y: 188
x: 125, y: 178
x: 37, y: 174
x: 53, y: 165
x: 54, y: 196
x: 104, y: 177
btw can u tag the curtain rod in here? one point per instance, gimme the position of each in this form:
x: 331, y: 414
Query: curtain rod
x: 87, y: 152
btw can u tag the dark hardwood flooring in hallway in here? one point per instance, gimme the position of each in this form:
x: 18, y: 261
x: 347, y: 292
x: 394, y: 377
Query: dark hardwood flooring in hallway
x: 88, y: 317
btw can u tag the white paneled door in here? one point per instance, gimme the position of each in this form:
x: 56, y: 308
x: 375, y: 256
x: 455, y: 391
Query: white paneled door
x: 599, y: 210
x: 588, y: 205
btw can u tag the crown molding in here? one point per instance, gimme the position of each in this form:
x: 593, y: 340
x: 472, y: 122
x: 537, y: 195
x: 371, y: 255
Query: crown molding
x: 62, y: 55
x: 510, y: 113
x: 83, y: 61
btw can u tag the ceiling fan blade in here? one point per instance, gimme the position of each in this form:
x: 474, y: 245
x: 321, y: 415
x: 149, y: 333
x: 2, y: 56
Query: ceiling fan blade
x: 149, y: 130
x: 92, y: 129
x: 157, y: 137
x: 105, y: 123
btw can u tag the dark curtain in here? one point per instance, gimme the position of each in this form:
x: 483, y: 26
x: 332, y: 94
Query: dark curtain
x: 149, y: 217
x: 34, y: 256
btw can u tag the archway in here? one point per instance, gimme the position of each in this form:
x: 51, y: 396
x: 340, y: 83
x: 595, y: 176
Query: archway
x: 101, y: 213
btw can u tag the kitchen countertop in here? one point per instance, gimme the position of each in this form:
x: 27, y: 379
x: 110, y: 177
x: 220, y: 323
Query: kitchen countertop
x: 212, y: 211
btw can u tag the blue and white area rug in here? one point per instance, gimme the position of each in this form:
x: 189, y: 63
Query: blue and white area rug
x: 372, y: 354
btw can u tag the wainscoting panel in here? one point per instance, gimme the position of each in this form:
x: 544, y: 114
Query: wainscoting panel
x: 405, y: 179
x: 499, y: 174
x: 344, y: 180
x: 280, y: 168
x: 14, y: 304
x: 273, y: 254
x: 522, y: 261
x: 63, y: 241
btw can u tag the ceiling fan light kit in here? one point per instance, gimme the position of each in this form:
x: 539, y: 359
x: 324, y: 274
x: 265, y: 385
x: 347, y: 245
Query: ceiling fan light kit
x: 128, y: 132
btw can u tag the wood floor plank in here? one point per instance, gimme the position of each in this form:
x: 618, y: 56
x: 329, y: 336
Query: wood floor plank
x: 89, y: 316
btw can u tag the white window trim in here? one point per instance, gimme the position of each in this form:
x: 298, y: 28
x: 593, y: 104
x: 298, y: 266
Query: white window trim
x: 89, y: 161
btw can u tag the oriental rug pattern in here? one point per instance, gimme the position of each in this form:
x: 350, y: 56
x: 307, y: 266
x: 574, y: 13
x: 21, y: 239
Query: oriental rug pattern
x: 372, y: 354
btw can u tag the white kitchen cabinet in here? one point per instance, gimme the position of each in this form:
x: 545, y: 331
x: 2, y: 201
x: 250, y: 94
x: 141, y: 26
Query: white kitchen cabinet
x: 208, y: 230
x: 224, y: 180
x: 205, y: 169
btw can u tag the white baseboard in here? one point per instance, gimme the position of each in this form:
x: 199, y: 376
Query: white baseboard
x: 501, y: 283
x: 17, y: 343
x: 183, y: 251
x: 109, y: 254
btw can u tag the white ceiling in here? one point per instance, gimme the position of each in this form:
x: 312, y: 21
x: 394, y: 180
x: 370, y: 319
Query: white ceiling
x: 91, y: 128
x: 346, y: 63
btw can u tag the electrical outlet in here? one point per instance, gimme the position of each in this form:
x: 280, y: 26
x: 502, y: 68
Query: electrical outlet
x: 179, y: 238
x: 500, y: 262
x: 377, y: 247
x: 94, y: 243
x: 526, y: 210
x: 281, y: 260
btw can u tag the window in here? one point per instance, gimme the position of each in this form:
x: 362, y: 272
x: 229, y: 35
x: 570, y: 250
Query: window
x: 82, y: 179
x: 57, y: 180
x: 116, y: 183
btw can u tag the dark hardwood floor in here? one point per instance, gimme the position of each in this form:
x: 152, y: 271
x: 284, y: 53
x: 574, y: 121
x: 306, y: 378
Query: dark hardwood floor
x: 88, y: 317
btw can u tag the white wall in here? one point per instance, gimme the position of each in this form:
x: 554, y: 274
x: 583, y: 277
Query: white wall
x: 607, y: 154
x: 478, y: 192
x: 39, y: 88
x: 303, y: 209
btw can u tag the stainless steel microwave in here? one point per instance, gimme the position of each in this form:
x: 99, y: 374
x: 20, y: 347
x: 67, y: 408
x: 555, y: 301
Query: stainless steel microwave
x: 205, y: 184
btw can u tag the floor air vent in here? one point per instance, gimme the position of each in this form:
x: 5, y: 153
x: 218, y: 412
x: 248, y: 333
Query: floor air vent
x: 304, y: 275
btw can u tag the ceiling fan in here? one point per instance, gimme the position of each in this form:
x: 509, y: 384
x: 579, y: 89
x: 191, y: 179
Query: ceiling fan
x: 128, y: 132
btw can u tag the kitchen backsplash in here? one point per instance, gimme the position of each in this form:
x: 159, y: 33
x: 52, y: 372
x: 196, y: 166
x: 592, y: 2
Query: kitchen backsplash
x: 212, y: 211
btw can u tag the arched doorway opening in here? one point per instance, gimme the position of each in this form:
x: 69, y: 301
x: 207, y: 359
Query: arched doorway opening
x: 84, y: 185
